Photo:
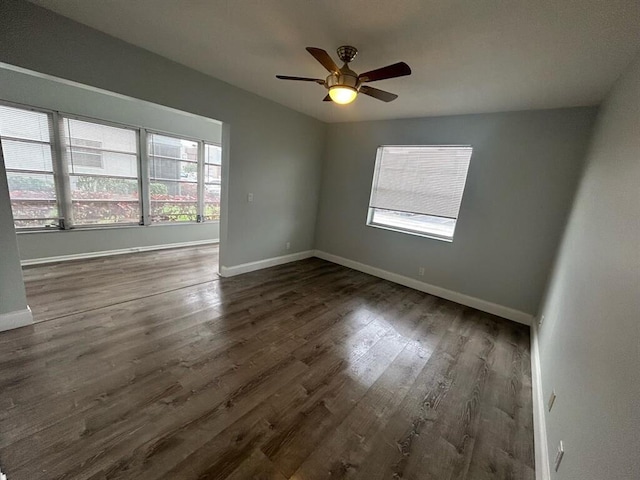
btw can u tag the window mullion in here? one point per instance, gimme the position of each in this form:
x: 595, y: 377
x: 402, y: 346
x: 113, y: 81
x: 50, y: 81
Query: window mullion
x: 61, y: 173
x: 144, y: 179
x: 201, y: 174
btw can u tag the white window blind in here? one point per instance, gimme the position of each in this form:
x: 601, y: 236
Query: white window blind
x: 419, y: 188
x: 426, y: 180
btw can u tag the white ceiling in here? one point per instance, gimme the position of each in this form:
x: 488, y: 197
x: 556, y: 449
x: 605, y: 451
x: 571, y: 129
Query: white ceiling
x: 467, y: 56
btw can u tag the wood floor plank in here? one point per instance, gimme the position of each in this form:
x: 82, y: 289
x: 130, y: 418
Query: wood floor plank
x: 257, y: 467
x: 345, y: 445
x: 149, y: 366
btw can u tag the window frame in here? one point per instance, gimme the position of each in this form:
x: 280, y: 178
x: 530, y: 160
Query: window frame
x: 61, y: 175
x: 53, y: 144
x: 199, y: 175
x: 408, y: 231
x: 204, y: 182
x: 67, y: 176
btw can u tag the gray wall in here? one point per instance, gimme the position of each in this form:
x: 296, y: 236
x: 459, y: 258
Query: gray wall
x: 521, y: 181
x: 35, y: 245
x: 24, y: 88
x: 589, y: 341
x: 275, y: 153
x: 29, y: 88
x: 12, y: 293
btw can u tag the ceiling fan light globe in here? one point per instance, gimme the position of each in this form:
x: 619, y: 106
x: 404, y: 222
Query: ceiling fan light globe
x: 342, y: 95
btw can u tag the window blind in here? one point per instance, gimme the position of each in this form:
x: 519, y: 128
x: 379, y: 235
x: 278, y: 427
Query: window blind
x: 427, y: 180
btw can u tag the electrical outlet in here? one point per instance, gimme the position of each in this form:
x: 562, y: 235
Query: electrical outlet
x: 552, y: 398
x: 421, y: 271
x: 541, y: 320
x: 559, y: 455
x: 288, y: 245
x: 250, y: 197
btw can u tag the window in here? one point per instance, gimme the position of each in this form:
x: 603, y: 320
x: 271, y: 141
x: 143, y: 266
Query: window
x: 102, y: 162
x: 212, y: 181
x: 66, y: 172
x: 418, y: 189
x: 26, y: 144
x: 173, y: 172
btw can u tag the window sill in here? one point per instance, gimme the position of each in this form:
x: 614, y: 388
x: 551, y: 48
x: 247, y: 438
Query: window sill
x: 411, y: 232
x: 177, y: 224
x: 110, y: 227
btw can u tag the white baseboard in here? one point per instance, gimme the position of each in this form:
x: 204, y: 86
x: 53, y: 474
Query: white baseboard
x: 543, y: 471
x: 108, y: 253
x: 260, y: 264
x: 17, y: 319
x: 485, y: 306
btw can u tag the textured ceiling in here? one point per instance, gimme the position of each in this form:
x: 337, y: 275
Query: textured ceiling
x: 467, y: 56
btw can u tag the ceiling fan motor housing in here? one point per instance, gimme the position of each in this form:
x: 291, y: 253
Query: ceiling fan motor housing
x: 346, y: 78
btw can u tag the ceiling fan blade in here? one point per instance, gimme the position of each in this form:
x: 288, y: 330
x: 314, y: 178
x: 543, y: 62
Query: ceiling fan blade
x: 399, y: 69
x: 327, y: 98
x: 379, y: 94
x: 324, y: 58
x: 301, y: 79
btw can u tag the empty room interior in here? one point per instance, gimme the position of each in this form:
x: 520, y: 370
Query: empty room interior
x: 286, y: 239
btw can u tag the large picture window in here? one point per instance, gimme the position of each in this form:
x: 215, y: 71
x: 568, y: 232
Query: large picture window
x: 69, y: 172
x: 418, y: 189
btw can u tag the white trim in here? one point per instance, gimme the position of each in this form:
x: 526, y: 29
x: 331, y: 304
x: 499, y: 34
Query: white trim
x: 17, y: 319
x: 260, y: 264
x: 108, y: 253
x: 415, y: 233
x: 485, y: 306
x: 224, y: 194
x: 539, y: 425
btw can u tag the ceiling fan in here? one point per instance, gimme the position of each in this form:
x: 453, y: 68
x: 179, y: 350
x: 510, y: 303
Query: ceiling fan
x: 344, y: 84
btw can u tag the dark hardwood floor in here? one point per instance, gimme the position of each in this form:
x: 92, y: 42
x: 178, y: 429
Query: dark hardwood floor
x: 59, y: 289
x: 304, y: 371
